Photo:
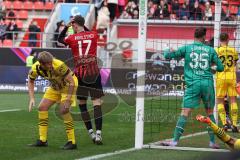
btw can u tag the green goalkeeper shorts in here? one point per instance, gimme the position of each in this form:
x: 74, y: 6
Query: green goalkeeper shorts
x: 199, y: 90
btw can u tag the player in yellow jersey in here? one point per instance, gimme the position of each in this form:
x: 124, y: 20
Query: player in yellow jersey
x: 226, y: 81
x: 63, y: 85
x: 233, y: 143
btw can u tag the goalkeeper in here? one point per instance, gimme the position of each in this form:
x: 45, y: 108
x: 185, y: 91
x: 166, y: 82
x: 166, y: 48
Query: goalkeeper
x: 62, y: 90
x: 230, y: 141
x: 198, y: 80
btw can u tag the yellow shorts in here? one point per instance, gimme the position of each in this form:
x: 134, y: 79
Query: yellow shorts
x: 226, y: 87
x: 61, y: 95
x: 237, y: 144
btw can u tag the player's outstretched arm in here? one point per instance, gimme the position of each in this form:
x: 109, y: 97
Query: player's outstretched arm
x: 170, y: 53
x: 31, y: 94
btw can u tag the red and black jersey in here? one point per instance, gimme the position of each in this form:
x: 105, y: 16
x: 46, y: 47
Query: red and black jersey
x: 84, y: 50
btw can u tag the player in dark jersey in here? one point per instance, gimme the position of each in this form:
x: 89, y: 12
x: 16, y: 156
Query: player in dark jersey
x: 83, y: 44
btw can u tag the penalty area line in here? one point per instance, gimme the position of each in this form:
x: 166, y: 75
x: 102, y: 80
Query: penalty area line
x: 108, y: 154
x: 9, y: 110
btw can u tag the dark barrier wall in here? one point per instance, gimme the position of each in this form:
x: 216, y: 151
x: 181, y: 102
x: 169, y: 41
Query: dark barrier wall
x: 162, y: 77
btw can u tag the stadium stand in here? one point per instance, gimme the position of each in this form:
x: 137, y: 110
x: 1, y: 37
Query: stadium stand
x: 24, y: 11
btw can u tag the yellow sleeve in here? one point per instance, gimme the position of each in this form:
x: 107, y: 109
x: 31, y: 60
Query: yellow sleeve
x: 235, y: 54
x: 217, y: 50
x: 33, y: 73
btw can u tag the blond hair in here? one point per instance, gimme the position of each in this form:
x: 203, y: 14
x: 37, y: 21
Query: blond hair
x: 45, y: 57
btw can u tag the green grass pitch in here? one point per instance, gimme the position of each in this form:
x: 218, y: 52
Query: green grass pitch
x: 19, y: 128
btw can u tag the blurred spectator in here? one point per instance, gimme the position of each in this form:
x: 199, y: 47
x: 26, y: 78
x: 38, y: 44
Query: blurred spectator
x: 131, y: 6
x: 2, y: 12
x: 70, y: 29
x: 238, y: 14
x: 135, y: 14
x: 175, y: 6
x: 187, y: 4
x: 112, y: 7
x: 3, y: 27
x: 184, y: 12
x: 151, y: 9
x: 125, y: 15
x: 208, y: 15
x: 156, y: 2
x: 228, y: 16
x: 203, y: 1
x: 103, y: 19
x: 69, y: 1
x: 33, y: 28
x: 191, y: 2
x: 11, y: 14
x: 196, y: 12
x: 121, y: 5
x: 60, y: 27
x: 162, y: 11
x: 11, y: 28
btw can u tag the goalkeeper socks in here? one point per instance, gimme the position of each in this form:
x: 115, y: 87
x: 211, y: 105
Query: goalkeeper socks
x: 98, y: 117
x: 219, y: 132
x: 85, y: 116
x: 222, y: 113
x: 68, y: 121
x: 179, y: 128
x: 43, y: 125
x: 210, y: 131
x: 234, y: 113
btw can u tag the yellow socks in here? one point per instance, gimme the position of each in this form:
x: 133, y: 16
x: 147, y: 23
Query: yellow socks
x: 220, y: 132
x: 43, y: 125
x: 222, y: 113
x: 234, y: 113
x: 68, y: 121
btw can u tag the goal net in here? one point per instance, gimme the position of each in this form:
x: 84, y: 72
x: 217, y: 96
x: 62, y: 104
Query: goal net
x: 164, y: 80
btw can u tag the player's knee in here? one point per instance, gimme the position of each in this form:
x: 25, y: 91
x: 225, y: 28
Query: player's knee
x: 186, y: 112
x: 221, y: 109
x: 233, y: 99
x: 42, y: 108
x: 64, y: 110
x: 97, y: 102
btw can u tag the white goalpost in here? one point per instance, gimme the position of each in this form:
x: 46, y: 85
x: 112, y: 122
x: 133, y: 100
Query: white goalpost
x: 142, y: 33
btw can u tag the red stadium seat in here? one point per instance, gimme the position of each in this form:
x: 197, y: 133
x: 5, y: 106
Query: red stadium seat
x: 233, y: 9
x: 0, y: 43
x: 17, y: 5
x: 7, y: 4
x: 7, y: 43
x: 213, y: 8
x: 28, y: 5
x: 49, y: 6
x: 224, y: 9
x: 181, y: 1
x: 7, y: 21
x: 22, y: 14
x: 19, y: 24
x: 39, y: 5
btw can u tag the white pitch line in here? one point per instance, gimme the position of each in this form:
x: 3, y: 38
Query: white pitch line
x: 185, y: 148
x: 183, y: 137
x: 9, y: 110
x: 108, y: 154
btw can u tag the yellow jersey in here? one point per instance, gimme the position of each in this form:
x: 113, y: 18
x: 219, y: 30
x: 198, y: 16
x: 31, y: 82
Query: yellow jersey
x: 229, y: 57
x: 55, y: 76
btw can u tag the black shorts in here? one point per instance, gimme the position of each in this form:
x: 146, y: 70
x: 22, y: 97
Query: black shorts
x: 89, y: 86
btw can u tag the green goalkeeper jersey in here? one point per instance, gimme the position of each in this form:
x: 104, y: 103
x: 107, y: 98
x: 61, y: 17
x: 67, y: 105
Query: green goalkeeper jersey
x: 198, y: 61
